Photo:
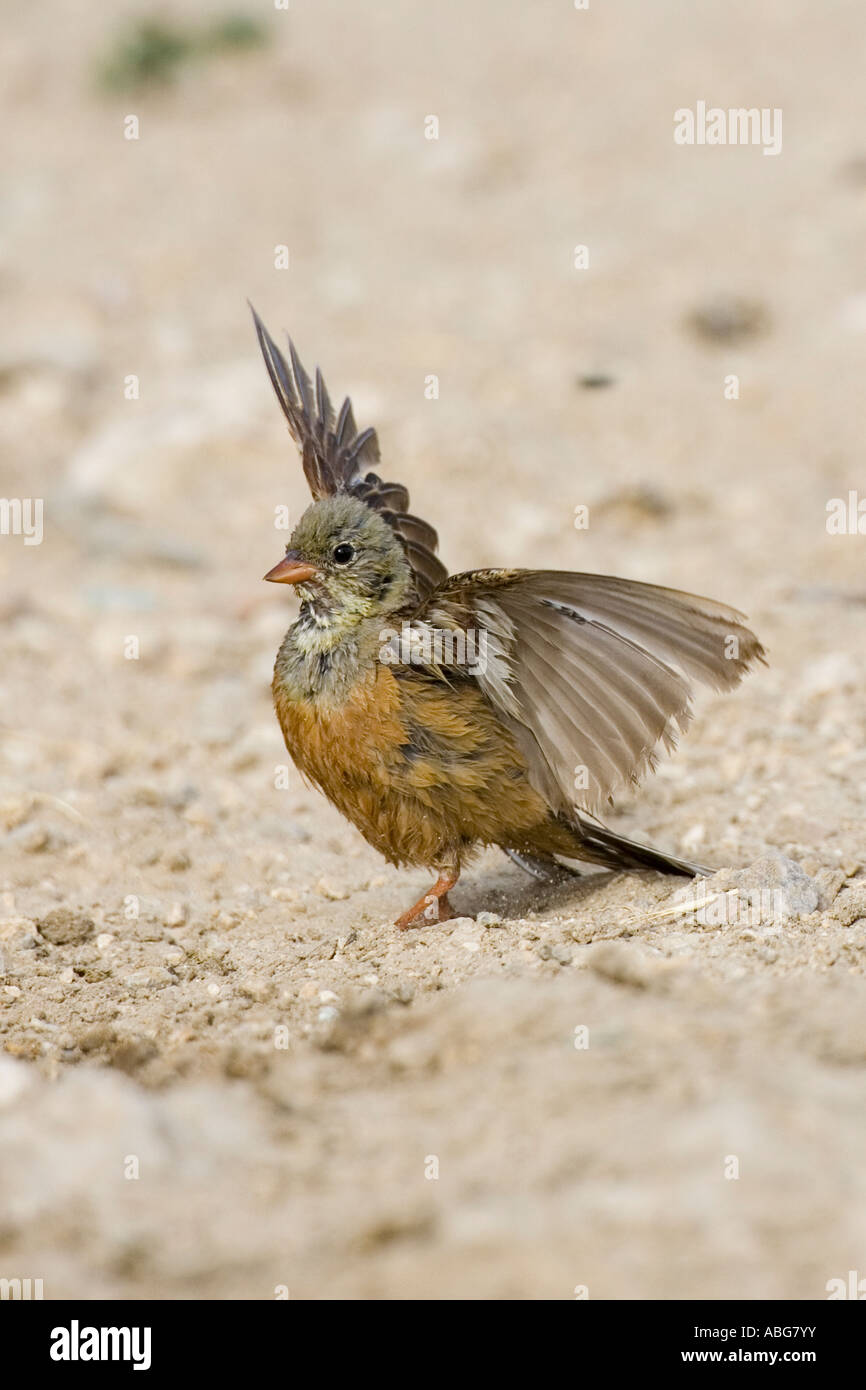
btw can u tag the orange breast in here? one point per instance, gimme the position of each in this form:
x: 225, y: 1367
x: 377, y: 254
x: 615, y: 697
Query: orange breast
x: 421, y: 768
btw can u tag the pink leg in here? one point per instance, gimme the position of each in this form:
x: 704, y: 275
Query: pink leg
x: 436, y: 899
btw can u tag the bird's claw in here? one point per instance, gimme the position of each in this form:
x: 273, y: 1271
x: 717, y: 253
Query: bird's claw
x: 432, y: 908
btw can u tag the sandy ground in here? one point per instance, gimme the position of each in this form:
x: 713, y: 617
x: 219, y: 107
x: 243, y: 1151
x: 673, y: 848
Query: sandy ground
x: 225, y: 1074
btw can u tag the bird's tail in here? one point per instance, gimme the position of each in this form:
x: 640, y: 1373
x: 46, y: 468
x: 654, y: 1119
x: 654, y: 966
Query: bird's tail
x: 596, y: 843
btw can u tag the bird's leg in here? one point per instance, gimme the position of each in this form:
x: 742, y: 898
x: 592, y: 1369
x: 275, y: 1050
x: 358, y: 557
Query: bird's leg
x: 434, y: 906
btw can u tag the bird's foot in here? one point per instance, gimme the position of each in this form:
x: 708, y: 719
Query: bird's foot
x: 433, y: 907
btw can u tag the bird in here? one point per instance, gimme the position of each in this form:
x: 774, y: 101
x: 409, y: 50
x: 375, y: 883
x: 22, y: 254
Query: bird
x: 497, y: 707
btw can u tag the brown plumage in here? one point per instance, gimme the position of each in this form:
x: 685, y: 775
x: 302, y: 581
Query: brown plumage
x: 497, y: 707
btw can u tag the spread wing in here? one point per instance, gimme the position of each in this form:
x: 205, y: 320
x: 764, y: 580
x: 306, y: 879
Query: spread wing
x: 336, y: 457
x: 592, y: 674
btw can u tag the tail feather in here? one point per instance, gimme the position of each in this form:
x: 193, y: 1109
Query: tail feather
x: 599, y: 845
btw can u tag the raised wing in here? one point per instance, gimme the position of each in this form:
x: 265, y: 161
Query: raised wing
x: 592, y: 674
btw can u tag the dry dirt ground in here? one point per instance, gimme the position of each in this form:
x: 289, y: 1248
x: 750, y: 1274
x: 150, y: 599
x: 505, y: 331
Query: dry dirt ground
x: 224, y: 1073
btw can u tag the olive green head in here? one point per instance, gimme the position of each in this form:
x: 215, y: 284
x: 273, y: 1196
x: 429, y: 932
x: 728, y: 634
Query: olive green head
x: 346, y: 563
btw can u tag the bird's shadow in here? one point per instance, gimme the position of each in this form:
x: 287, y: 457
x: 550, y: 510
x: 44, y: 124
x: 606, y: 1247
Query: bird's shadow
x: 512, y: 893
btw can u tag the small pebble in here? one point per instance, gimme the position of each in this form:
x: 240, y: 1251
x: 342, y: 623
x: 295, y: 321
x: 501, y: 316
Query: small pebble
x: 16, y: 927
x: 693, y: 838
x: 623, y: 965
x: 32, y: 839
x: 151, y: 977
x: 327, y: 890
x: 255, y: 988
x: 63, y: 926
x: 728, y: 319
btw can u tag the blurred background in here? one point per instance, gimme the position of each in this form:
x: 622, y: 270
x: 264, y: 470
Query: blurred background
x: 282, y: 156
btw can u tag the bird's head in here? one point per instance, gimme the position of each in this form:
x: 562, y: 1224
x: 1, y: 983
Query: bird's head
x: 346, y: 562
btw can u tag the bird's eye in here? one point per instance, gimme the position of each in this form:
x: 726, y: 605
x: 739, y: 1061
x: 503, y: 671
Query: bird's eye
x: 344, y: 553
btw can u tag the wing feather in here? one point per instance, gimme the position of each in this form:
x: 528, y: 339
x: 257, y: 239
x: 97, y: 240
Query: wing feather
x: 595, y: 674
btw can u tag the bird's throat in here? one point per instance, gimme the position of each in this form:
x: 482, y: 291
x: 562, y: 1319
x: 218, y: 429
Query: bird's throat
x: 326, y: 652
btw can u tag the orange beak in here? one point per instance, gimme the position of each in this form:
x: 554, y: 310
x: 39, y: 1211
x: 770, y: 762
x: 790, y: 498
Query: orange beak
x: 291, y: 571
